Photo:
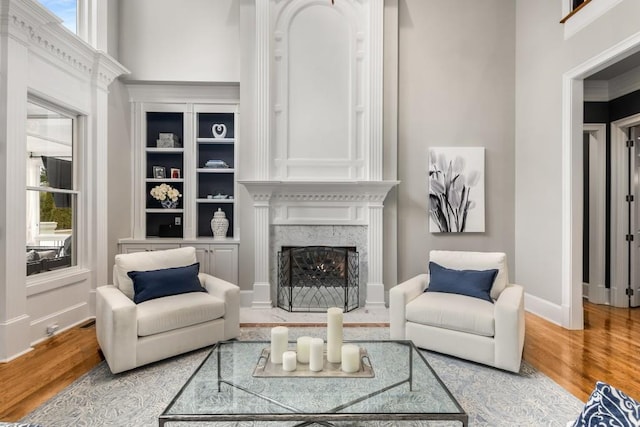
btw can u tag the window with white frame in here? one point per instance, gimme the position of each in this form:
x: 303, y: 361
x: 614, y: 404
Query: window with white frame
x: 67, y: 10
x: 52, y: 196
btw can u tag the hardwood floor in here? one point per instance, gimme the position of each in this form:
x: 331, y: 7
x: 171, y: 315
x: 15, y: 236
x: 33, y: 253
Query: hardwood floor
x: 30, y: 380
x: 608, y: 349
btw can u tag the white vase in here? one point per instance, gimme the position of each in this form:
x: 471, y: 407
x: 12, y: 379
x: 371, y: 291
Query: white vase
x: 219, y: 224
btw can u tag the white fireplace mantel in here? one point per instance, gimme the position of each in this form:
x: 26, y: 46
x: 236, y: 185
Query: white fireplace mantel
x: 320, y: 191
x: 319, y: 202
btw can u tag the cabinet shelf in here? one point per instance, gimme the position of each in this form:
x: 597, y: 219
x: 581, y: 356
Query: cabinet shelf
x: 164, y: 150
x: 164, y: 180
x: 215, y: 170
x: 215, y: 200
x: 215, y: 140
x: 163, y: 210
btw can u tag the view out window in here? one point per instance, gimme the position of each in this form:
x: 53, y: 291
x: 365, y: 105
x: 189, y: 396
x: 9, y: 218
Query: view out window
x: 576, y: 3
x: 51, y: 193
x: 67, y: 10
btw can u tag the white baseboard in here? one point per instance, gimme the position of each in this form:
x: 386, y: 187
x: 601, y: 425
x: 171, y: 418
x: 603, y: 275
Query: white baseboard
x: 543, y: 308
x: 65, y: 319
x: 14, y: 338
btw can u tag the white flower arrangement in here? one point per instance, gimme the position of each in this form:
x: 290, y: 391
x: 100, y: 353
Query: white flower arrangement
x: 164, y: 191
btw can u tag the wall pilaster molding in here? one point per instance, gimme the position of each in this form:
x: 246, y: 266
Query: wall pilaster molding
x: 376, y: 67
x: 14, y: 320
x: 375, y: 234
x: 262, y: 81
x: 262, y: 285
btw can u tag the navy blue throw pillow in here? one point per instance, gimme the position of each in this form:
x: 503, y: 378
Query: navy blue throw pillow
x: 472, y: 283
x: 162, y: 283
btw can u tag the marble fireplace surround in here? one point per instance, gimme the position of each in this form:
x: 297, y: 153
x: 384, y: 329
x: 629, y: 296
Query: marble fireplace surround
x: 320, y: 235
x: 348, y: 213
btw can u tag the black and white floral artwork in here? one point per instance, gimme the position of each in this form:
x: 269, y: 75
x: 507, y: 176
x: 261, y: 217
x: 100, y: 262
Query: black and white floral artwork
x: 456, y: 189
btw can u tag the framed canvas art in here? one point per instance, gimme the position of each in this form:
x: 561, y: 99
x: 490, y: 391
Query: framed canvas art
x: 456, y: 189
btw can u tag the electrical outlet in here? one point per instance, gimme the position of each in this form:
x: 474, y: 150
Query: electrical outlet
x: 177, y: 220
x: 51, y: 329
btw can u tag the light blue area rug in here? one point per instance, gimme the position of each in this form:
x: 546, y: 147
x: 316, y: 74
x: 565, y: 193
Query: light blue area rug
x: 491, y: 397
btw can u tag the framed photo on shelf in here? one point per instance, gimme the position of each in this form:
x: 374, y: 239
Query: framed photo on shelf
x: 159, y: 172
x: 175, y: 173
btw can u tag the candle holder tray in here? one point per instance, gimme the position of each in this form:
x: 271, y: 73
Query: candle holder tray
x: 266, y: 369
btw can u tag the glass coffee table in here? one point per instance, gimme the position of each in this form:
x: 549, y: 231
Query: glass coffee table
x: 226, y: 387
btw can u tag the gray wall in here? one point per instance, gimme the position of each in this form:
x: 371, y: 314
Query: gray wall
x: 543, y: 56
x: 187, y: 40
x: 456, y: 74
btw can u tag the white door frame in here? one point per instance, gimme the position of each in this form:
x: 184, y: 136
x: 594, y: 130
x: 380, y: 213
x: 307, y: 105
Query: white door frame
x: 572, y: 174
x: 597, y: 291
x: 619, y: 276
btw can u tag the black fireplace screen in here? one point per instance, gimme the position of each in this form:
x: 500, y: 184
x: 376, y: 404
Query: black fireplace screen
x: 314, y: 278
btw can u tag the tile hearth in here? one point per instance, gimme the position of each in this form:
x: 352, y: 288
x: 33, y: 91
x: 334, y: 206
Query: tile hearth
x: 361, y: 316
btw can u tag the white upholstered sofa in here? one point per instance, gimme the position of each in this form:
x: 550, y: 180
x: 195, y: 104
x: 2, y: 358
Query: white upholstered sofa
x: 131, y: 335
x: 459, y: 325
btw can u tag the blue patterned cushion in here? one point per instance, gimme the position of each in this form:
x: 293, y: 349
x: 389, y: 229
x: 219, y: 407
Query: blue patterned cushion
x: 609, y: 407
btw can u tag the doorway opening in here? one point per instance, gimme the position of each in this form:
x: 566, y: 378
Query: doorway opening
x: 572, y: 175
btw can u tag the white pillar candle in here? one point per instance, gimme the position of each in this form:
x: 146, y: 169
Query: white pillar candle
x: 316, y: 354
x: 279, y: 342
x: 302, y: 349
x: 334, y: 334
x: 350, y: 358
x: 289, y: 361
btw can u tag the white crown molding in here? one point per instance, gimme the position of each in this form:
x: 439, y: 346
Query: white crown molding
x: 158, y: 91
x: 624, y: 83
x: 43, y: 33
x: 107, y: 69
x: 606, y: 90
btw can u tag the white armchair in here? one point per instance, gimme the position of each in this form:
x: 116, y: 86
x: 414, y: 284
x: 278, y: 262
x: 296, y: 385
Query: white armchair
x: 459, y: 325
x: 131, y: 335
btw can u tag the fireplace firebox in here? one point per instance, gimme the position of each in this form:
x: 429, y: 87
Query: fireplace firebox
x: 314, y: 278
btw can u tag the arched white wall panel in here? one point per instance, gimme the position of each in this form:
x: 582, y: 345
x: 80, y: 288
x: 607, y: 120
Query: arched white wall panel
x: 319, y: 102
x: 318, y: 85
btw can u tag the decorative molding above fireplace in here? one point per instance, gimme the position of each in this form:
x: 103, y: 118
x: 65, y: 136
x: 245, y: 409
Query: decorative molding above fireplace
x: 319, y: 203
